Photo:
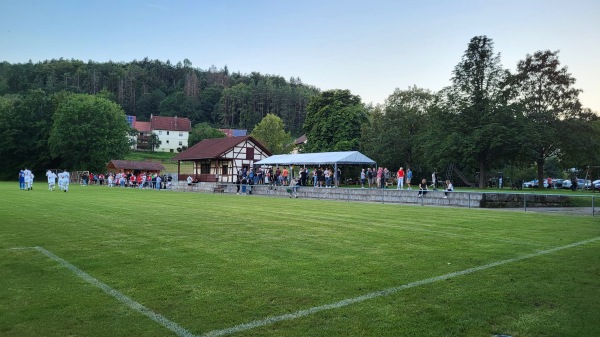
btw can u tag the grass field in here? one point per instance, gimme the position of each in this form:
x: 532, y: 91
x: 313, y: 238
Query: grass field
x: 124, y: 262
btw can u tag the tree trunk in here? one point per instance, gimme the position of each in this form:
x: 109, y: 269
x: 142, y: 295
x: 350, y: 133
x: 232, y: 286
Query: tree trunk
x: 481, y: 174
x: 540, y: 172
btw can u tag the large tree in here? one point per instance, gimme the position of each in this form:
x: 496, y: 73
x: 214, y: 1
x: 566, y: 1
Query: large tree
x: 544, y: 91
x: 88, y: 131
x: 333, y: 122
x: 271, y: 132
x: 25, y: 122
x: 473, y: 123
x: 392, y: 135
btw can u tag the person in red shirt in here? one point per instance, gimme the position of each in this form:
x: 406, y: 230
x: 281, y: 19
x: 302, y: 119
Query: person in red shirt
x: 400, y: 178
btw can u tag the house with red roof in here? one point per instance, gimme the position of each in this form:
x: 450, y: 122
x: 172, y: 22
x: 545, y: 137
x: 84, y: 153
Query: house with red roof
x: 173, y: 133
x: 220, y: 159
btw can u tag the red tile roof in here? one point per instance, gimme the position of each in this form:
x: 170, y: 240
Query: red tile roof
x: 142, y: 126
x: 135, y: 165
x: 170, y: 123
x: 215, y: 148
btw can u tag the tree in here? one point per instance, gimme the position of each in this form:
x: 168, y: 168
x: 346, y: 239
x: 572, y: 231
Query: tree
x: 88, y: 132
x: 544, y: 91
x: 203, y: 131
x: 271, y: 131
x: 472, y: 120
x: 392, y: 136
x: 333, y: 122
x: 154, y: 142
x: 25, y: 123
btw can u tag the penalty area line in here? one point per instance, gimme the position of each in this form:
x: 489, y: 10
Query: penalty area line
x: 176, y: 328
x: 385, y: 292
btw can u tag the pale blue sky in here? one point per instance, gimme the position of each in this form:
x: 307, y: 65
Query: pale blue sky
x: 370, y: 47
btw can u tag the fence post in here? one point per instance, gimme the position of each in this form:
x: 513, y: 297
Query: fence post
x: 525, y: 202
x: 593, y: 210
x: 469, y: 202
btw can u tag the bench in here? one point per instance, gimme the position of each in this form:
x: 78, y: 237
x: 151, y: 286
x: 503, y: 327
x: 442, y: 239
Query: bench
x: 220, y: 189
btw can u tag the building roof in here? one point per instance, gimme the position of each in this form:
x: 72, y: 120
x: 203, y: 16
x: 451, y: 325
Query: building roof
x: 322, y: 158
x: 135, y: 165
x: 142, y: 126
x: 234, y: 132
x: 300, y: 140
x: 170, y: 123
x: 215, y: 147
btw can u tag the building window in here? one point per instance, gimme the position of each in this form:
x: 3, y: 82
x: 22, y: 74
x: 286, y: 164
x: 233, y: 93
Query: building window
x: 167, y: 141
x: 171, y: 150
x: 181, y: 134
x: 180, y: 143
x: 160, y: 133
x: 250, y: 153
x: 205, y: 168
x: 224, y: 170
x: 167, y: 133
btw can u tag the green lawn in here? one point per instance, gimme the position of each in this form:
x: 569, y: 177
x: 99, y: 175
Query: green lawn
x: 193, y: 264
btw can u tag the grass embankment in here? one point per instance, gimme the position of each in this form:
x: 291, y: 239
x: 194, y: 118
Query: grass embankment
x: 166, y: 158
x: 210, y: 262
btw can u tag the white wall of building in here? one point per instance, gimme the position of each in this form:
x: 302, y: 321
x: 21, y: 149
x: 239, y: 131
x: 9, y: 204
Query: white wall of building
x: 171, y: 140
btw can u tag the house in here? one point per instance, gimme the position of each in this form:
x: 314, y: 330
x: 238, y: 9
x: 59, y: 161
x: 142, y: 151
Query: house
x: 220, y: 159
x: 172, y: 132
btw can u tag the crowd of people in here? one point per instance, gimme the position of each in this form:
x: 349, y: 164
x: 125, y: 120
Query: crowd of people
x: 129, y: 179
x: 317, y: 177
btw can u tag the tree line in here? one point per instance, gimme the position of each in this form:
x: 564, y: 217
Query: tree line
x: 152, y: 87
x: 488, y: 120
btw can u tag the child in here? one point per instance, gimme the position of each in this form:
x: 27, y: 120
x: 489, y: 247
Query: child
x: 422, y: 188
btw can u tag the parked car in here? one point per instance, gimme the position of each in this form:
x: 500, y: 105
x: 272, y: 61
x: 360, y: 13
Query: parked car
x: 596, y: 184
x: 567, y: 184
x: 557, y: 183
x: 528, y: 184
x: 536, y: 185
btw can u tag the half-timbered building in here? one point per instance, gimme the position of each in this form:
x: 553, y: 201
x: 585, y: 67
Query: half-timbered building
x: 220, y: 159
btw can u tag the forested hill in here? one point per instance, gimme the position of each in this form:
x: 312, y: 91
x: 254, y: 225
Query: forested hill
x: 142, y: 88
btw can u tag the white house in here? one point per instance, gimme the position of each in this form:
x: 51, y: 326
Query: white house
x: 173, y: 132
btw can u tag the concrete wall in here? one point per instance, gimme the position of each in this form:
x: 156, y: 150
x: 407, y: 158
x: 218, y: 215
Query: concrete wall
x: 461, y: 199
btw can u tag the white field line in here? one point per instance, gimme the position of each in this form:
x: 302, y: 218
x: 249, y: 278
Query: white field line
x: 385, y: 292
x: 118, y: 295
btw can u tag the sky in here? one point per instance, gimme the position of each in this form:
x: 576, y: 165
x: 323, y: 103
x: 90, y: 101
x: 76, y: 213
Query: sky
x: 369, y: 47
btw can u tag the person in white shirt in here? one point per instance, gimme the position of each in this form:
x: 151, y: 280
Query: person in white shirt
x: 28, y: 179
x: 449, y: 188
x: 51, y: 180
x: 66, y: 179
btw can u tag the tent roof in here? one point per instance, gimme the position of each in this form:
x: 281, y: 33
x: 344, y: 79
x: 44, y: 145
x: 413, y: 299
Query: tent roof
x: 345, y: 157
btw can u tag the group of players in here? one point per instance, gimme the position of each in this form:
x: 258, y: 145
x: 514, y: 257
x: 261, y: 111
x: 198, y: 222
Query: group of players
x: 26, y: 180
x: 63, y: 180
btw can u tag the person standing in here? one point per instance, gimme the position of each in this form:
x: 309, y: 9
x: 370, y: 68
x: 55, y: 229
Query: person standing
x: 370, y: 177
x: 189, y: 183
x: 28, y: 179
x: 66, y: 180
x: 434, y: 179
x: 22, y: 180
x: 363, y: 177
x: 400, y: 178
x: 380, y: 178
x: 408, y: 178
x: 51, y: 180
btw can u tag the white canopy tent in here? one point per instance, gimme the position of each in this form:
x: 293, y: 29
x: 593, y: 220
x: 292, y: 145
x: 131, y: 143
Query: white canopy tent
x: 322, y: 158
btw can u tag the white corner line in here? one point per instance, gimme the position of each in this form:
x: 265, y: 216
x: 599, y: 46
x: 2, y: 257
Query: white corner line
x: 381, y: 293
x: 177, y: 329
